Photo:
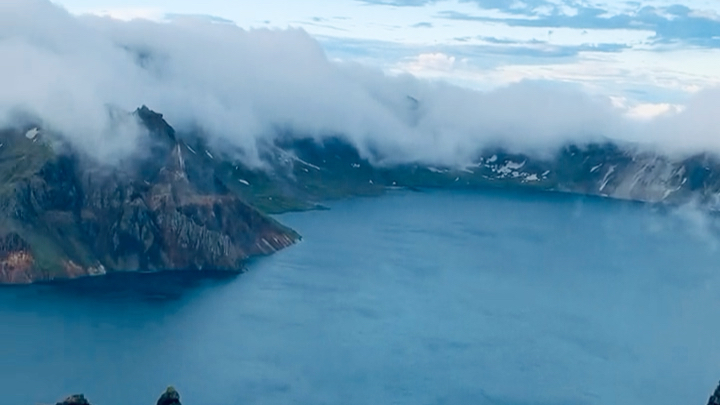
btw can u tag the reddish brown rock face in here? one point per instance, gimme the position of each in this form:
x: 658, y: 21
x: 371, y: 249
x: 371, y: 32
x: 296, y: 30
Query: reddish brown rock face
x: 16, y: 260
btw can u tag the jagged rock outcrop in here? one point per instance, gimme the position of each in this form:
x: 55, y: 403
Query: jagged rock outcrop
x: 169, y: 397
x: 715, y: 398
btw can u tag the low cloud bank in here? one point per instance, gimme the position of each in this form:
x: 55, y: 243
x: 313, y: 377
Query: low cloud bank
x: 73, y: 74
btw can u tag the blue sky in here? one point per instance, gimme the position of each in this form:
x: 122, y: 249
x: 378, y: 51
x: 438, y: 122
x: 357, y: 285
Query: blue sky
x: 650, y: 55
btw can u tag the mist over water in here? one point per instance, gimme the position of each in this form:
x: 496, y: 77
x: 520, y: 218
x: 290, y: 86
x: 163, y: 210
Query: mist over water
x: 413, y: 298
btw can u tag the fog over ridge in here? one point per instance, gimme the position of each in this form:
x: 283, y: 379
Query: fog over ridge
x: 243, y: 86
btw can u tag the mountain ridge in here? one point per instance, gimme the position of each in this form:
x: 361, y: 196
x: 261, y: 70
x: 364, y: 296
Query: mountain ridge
x: 184, y: 203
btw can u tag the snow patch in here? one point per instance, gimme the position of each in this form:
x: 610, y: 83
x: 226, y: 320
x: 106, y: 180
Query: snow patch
x: 32, y: 134
x: 606, y: 179
x: 287, y: 157
x: 515, y: 166
x: 510, y: 168
x: 181, y: 160
x: 245, y: 182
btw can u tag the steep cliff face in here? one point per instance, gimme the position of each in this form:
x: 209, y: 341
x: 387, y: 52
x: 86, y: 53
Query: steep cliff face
x: 65, y: 216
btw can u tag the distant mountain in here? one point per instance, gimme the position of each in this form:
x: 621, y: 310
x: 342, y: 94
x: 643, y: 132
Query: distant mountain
x: 307, y: 171
x: 187, y: 204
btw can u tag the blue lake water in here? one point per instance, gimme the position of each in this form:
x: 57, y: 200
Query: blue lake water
x: 413, y: 298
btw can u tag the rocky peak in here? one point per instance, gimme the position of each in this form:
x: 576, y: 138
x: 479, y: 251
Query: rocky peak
x: 169, y: 397
x: 75, y: 400
x: 715, y: 398
x: 155, y: 123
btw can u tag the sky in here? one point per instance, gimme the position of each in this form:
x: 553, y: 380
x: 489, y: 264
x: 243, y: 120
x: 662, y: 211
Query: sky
x: 651, y: 55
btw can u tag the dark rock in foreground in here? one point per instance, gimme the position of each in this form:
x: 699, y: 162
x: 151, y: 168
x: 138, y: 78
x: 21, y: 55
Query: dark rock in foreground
x: 172, y: 397
x: 169, y: 397
x: 75, y: 400
x: 715, y: 398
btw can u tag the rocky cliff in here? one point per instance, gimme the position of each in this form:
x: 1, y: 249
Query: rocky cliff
x: 63, y: 215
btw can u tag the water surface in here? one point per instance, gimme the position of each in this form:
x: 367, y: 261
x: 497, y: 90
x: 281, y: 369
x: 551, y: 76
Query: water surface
x: 412, y: 298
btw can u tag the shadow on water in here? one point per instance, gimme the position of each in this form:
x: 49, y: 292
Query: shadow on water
x: 149, y: 287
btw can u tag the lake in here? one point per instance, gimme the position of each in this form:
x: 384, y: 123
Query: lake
x: 491, y: 297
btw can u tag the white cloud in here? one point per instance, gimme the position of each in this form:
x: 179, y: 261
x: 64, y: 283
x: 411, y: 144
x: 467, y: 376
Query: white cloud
x: 429, y: 63
x: 242, y: 86
x: 648, y: 111
x: 128, y: 13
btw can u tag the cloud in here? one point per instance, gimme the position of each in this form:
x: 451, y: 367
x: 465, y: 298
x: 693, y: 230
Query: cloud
x: 671, y: 24
x: 128, y: 13
x: 647, y: 111
x: 527, y: 7
x: 423, y: 25
x: 244, y: 87
x: 200, y: 17
x: 431, y: 61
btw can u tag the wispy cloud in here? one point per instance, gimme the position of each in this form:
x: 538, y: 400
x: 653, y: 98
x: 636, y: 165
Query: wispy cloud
x: 423, y: 25
x: 672, y: 24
